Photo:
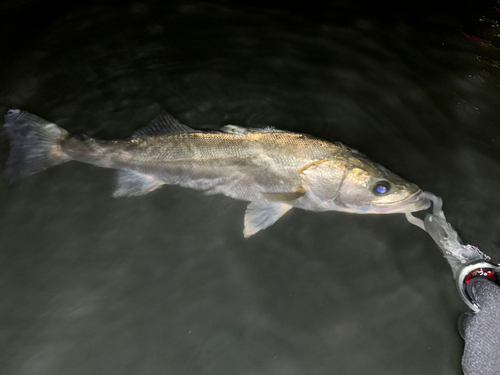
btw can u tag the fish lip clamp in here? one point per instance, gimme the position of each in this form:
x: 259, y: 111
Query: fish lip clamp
x: 470, y: 270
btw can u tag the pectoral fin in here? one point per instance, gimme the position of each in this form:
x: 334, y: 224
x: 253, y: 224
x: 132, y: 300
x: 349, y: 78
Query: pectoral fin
x: 262, y: 214
x: 283, y: 197
x: 133, y: 183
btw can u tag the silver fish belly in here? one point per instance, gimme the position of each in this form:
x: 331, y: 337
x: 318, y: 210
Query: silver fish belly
x: 272, y: 169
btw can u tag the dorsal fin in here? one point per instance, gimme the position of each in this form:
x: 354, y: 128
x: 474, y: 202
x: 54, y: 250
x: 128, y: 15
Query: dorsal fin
x: 164, y: 123
x: 235, y: 129
x: 241, y: 130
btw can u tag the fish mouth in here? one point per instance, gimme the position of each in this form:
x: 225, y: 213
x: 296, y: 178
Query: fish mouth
x: 415, y: 202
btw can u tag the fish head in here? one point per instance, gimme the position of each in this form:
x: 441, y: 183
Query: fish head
x: 368, y: 187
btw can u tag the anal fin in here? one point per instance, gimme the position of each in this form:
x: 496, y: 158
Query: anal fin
x: 262, y: 214
x: 132, y: 183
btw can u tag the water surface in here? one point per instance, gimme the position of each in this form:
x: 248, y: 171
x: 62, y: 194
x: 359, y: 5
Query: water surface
x: 165, y: 283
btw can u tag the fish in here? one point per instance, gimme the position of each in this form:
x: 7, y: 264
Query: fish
x: 274, y: 170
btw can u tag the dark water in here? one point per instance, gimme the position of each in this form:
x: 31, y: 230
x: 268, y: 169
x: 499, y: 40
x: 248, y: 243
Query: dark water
x: 166, y: 283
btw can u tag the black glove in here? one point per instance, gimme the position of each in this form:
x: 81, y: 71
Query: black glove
x: 481, y: 331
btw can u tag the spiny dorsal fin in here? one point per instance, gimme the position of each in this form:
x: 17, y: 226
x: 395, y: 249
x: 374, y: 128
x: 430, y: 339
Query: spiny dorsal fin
x: 164, y: 123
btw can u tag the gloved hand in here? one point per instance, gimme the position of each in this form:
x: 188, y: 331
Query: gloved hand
x: 481, y: 331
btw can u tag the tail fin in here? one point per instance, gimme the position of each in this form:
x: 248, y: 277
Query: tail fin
x: 34, y: 144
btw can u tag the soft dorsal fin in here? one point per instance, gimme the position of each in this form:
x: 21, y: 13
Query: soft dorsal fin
x: 241, y: 130
x: 235, y: 129
x: 164, y: 123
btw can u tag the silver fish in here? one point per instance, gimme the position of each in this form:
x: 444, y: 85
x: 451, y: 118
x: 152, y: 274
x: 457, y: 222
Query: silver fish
x: 274, y: 170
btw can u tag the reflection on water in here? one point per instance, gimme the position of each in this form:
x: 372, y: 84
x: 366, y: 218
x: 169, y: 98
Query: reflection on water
x: 165, y: 283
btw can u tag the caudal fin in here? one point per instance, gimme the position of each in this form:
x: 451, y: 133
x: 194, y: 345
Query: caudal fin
x: 34, y: 144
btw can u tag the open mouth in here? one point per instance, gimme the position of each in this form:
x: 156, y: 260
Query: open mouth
x: 415, y: 202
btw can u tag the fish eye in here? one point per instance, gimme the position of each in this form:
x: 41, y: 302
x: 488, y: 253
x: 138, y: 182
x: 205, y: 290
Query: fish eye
x: 381, y: 187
